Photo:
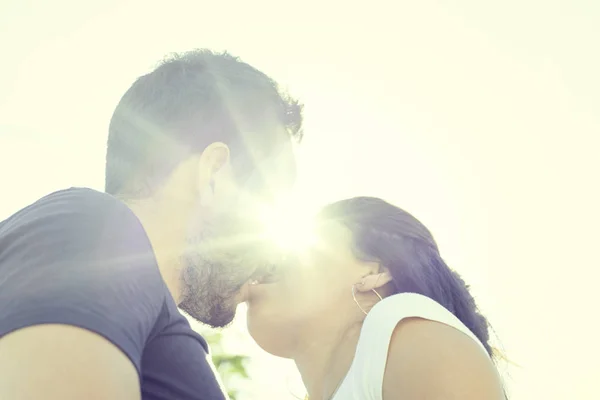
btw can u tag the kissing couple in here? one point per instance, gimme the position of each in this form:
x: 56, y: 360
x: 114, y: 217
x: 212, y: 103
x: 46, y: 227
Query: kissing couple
x: 92, y: 283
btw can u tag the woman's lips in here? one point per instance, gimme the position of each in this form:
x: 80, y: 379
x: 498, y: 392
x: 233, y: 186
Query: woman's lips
x: 264, y: 280
x: 265, y: 276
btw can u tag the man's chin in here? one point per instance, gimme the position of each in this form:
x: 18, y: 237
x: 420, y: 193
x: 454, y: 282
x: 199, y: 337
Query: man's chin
x: 216, y: 319
x: 221, y: 320
x: 223, y: 316
x: 218, y: 316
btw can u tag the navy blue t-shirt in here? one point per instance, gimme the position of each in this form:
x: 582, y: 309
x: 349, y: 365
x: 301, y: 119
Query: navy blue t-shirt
x: 80, y: 257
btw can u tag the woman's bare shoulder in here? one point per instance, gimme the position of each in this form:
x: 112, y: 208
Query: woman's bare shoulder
x: 429, y: 359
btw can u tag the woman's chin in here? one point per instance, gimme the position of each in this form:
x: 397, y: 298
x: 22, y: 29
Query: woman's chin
x: 268, y: 331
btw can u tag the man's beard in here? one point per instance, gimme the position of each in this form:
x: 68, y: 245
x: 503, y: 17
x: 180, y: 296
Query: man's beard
x: 209, y: 292
x: 219, y: 259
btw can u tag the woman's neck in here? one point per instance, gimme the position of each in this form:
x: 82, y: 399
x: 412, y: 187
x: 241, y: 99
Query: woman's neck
x: 325, y: 359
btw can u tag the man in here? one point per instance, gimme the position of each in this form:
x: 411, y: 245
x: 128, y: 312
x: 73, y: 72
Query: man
x: 90, y: 281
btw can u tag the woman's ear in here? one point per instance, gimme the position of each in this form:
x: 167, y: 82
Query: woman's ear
x: 374, y: 281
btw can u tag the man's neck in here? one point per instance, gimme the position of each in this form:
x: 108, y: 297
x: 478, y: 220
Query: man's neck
x: 324, y: 361
x: 167, y: 236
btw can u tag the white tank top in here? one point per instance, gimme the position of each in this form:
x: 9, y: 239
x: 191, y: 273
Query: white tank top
x: 364, y: 380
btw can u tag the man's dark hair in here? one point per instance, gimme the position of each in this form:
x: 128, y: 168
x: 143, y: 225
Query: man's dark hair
x: 189, y: 101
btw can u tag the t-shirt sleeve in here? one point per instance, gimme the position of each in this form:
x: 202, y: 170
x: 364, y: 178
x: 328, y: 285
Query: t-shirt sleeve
x: 80, y: 258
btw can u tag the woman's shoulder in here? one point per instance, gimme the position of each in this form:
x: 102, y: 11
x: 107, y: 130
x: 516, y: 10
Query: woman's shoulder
x: 428, y: 359
x: 409, y: 342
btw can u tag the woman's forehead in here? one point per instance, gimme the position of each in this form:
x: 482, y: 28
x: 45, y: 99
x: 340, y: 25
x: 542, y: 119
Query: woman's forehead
x: 333, y: 239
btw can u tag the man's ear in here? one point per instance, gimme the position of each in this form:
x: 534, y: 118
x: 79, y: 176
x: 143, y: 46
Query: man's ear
x: 213, y: 160
x: 214, y: 157
x: 374, y: 281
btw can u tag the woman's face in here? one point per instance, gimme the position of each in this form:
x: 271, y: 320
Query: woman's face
x: 312, y: 294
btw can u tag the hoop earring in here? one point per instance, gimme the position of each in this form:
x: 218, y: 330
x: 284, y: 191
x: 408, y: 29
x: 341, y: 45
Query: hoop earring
x: 356, y: 301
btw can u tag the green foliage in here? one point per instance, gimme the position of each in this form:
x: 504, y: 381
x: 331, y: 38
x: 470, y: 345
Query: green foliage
x: 231, y: 367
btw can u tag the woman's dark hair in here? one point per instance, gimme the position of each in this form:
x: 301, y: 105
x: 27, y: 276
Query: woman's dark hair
x: 389, y: 235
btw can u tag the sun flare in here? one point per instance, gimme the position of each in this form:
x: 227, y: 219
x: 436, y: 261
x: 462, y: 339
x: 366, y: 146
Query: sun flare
x: 289, y: 227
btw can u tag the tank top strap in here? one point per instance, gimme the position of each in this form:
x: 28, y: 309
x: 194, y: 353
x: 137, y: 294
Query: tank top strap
x: 370, y: 359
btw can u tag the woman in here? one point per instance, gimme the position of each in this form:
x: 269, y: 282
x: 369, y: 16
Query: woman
x: 372, y: 312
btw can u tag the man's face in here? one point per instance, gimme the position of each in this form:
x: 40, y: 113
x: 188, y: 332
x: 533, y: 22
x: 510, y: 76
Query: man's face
x: 226, y: 246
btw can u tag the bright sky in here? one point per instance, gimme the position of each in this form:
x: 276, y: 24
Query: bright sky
x: 482, y: 120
